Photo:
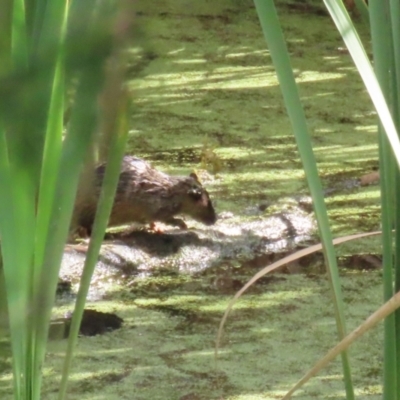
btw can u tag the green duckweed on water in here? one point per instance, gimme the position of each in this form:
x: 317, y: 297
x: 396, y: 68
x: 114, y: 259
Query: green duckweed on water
x: 207, y: 99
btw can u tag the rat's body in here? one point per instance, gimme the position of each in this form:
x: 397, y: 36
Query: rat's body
x: 146, y: 195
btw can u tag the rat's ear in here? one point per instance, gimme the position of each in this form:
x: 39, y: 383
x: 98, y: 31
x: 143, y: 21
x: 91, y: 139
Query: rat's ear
x: 195, y: 177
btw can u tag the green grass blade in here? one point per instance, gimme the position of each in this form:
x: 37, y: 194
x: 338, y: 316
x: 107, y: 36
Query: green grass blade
x: 114, y: 104
x: 16, y: 206
x: 384, y: 19
x: 54, y: 127
x: 47, y: 190
x: 386, y: 172
x: 274, y: 37
x: 50, y: 167
x: 386, y: 56
x: 39, y: 172
x: 75, y: 146
x: 6, y: 16
x: 19, y: 48
x: 363, y: 9
x: 395, y: 23
x: 8, y: 233
x: 349, y: 34
x: 17, y: 224
x: 106, y: 201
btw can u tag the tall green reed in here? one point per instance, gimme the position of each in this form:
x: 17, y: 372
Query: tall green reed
x: 273, y: 34
x: 385, y: 41
x: 383, y: 86
x: 382, y: 83
x: 49, y: 47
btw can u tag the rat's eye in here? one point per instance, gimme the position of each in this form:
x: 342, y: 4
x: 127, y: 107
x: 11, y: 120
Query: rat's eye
x: 195, y: 192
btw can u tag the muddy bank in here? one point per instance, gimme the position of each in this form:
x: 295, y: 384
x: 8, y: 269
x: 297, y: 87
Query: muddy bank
x: 273, y: 230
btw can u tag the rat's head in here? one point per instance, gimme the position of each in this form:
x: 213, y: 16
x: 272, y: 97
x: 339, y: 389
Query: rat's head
x: 197, y: 203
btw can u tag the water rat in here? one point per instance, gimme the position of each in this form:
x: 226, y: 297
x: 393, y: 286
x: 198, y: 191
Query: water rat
x: 147, y: 195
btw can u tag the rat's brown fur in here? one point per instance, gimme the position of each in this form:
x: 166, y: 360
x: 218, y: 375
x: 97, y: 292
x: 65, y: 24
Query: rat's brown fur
x: 146, y: 195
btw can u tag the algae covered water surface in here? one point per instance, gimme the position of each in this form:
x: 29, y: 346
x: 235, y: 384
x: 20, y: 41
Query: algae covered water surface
x: 207, y: 98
